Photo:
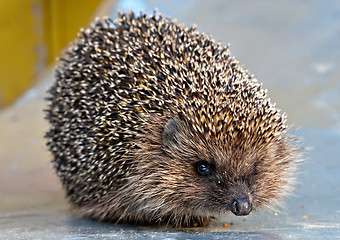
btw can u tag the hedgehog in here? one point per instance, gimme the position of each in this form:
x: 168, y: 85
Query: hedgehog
x: 153, y: 122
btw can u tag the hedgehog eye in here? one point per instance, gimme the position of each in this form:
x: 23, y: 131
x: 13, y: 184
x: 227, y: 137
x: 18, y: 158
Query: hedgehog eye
x: 203, y: 168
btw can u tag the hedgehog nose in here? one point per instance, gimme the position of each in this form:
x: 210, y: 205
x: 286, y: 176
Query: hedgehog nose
x: 241, y: 207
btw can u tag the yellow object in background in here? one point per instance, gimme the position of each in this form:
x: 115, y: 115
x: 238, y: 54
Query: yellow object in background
x: 32, y: 33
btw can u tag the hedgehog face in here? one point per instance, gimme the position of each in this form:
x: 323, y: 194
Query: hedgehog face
x: 211, y: 179
x: 223, y: 190
x: 230, y: 193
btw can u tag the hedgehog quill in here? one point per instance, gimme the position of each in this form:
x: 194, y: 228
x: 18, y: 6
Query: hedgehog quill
x: 154, y: 122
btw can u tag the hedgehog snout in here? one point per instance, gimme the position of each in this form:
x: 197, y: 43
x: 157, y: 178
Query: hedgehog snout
x: 241, y: 206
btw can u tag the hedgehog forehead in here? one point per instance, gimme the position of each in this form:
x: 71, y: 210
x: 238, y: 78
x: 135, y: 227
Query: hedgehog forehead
x: 232, y: 160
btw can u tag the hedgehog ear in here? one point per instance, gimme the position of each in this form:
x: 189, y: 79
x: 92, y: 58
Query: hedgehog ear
x: 171, y: 133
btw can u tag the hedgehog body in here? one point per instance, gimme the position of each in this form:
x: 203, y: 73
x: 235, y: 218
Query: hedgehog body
x: 152, y: 121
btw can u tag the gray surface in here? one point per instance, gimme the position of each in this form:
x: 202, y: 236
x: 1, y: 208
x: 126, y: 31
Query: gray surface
x: 291, y: 46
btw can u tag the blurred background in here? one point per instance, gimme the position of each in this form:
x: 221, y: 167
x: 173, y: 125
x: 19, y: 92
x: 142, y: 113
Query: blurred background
x: 292, y: 46
x: 32, y: 34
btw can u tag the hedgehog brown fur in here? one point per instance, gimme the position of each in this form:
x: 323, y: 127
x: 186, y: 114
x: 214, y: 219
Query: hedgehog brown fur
x: 152, y: 121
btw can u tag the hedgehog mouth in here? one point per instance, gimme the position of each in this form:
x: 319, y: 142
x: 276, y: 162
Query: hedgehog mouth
x: 241, y: 206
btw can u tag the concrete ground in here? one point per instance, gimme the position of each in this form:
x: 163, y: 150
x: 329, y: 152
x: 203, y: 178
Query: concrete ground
x: 291, y: 46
